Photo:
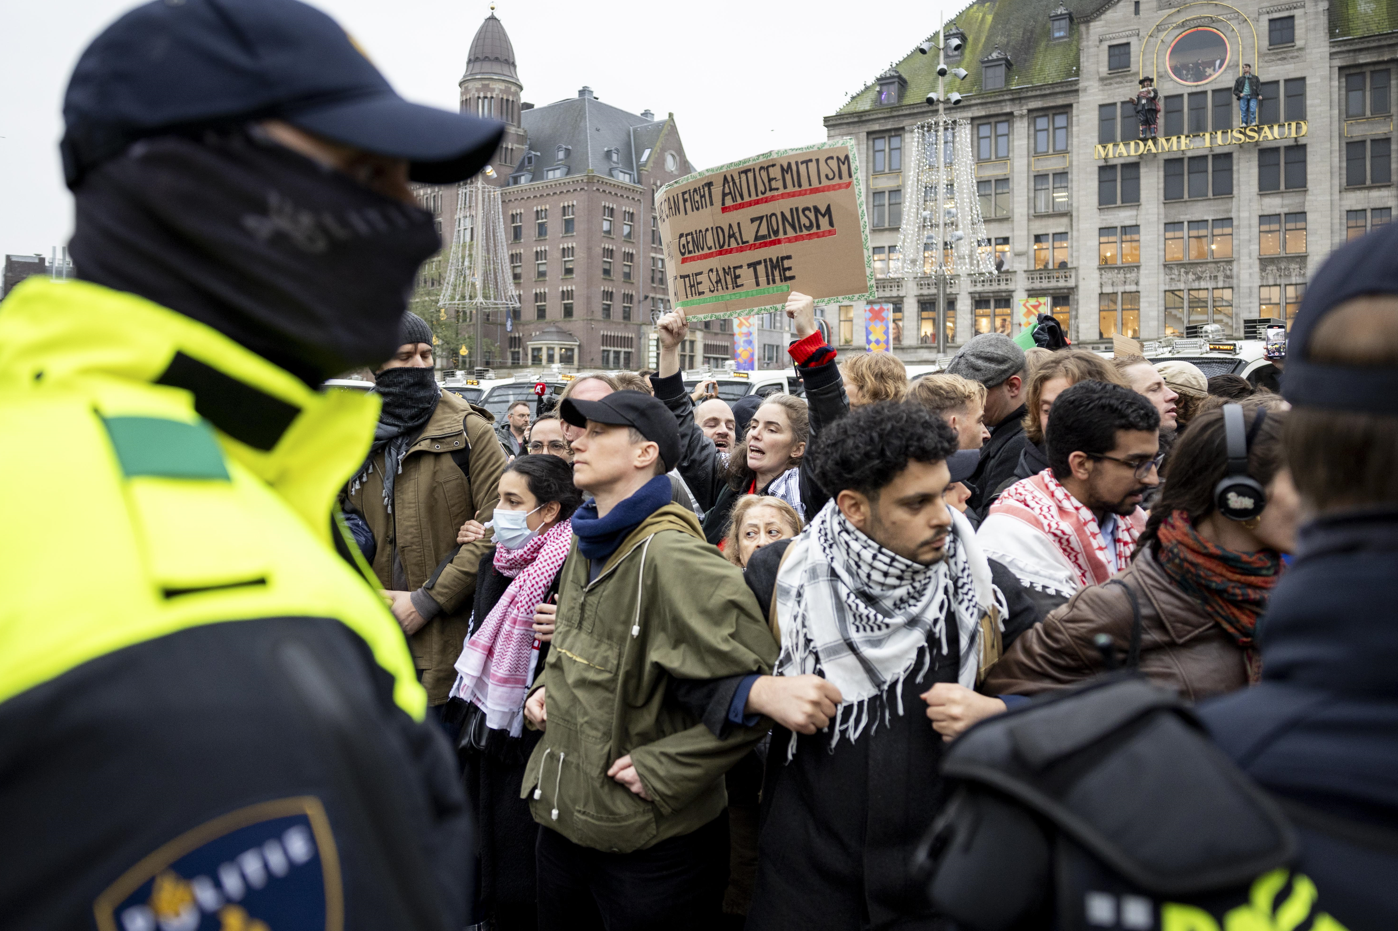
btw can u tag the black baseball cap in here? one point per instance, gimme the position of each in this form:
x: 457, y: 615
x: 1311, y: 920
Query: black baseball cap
x: 630, y: 409
x: 185, y: 65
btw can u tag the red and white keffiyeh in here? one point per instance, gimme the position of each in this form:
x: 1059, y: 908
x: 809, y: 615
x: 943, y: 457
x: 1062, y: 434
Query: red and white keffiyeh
x: 1046, y: 505
x: 497, y: 662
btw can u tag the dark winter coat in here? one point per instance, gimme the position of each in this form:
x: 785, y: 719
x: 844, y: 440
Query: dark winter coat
x: 1321, y: 728
x: 839, y: 828
x: 999, y: 458
x: 1247, y: 85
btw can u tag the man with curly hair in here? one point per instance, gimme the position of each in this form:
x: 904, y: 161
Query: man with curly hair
x: 888, y: 599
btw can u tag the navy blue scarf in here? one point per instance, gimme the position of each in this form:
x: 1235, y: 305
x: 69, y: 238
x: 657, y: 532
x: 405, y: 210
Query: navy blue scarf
x: 598, y: 537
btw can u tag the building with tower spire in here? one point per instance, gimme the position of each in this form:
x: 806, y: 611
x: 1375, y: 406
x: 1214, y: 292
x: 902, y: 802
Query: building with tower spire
x: 578, y: 181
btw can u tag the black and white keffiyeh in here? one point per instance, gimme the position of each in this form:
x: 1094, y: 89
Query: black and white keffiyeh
x: 863, y: 617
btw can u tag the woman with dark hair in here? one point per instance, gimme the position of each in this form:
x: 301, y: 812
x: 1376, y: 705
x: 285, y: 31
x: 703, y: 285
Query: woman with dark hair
x: 508, y: 642
x: 1186, y: 609
x: 769, y: 459
x: 1230, y: 387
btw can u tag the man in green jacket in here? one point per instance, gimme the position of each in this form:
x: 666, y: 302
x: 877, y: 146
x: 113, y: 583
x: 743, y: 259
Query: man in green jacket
x: 628, y: 779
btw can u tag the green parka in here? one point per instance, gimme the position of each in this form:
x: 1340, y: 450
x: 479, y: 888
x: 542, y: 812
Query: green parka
x: 665, y: 606
x: 433, y: 497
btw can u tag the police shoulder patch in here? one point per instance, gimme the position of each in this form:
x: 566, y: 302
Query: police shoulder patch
x: 265, y: 867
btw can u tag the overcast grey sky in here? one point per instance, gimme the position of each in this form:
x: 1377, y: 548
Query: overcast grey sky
x: 741, y: 76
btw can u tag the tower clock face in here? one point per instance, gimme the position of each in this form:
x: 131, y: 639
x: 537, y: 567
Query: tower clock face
x: 1198, y: 55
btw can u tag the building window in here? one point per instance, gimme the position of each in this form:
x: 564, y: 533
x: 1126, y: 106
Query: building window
x: 1061, y: 306
x: 994, y: 197
x: 1269, y: 103
x: 1198, y: 240
x: 1119, y: 314
x: 517, y: 226
x: 541, y: 263
x: 1269, y: 169
x: 1199, y: 112
x: 1377, y: 98
x: 1281, y: 30
x: 566, y: 297
x: 1355, y: 220
x: 541, y: 305
x: 1295, y: 238
x: 1224, y: 107
x: 1119, y: 57
x: 1294, y: 167
x: 1051, y: 193
x: 657, y: 270
x: 992, y: 75
x: 886, y: 262
x: 888, y: 209
x: 1270, y: 303
x: 566, y: 253
x: 1050, y: 133
x: 608, y: 255
x: 628, y: 300
x: 1058, y: 24
x: 992, y: 315
x: 628, y: 262
x: 887, y: 153
x: 1174, y: 313
x: 536, y: 355
x: 628, y: 224
x: 1174, y: 115
x: 1174, y: 179
x: 569, y: 219
x: 1269, y: 234
x: 1222, y: 175
x: 555, y: 171
x: 846, y: 324
x: 1368, y: 162
x: 606, y: 304
x: 541, y: 222
x: 1051, y: 250
x: 1174, y: 242
x: 1295, y: 101
x: 608, y: 216
x: 1041, y: 194
x: 1221, y: 239
x: 993, y: 140
x: 1198, y: 166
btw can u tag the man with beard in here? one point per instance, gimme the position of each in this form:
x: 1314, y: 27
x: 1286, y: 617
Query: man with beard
x: 715, y: 420
x: 435, y: 464
x: 215, y: 720
x: 1075, y: 523
x: 888, y: 599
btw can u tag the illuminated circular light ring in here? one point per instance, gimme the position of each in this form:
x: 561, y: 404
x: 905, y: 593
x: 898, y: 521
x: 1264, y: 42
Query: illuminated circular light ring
x: 1222, y: 68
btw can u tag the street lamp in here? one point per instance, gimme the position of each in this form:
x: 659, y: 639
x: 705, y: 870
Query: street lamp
x: 953, y: 198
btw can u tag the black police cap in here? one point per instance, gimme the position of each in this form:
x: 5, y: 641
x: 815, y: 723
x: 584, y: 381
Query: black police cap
x: 181, y: 65
x: 630, y: 409
x: 1366, y: 266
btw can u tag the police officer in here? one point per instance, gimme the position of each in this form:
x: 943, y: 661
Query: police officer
x: 208, y: 717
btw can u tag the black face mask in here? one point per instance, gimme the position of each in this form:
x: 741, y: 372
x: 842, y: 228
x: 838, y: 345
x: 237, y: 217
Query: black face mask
x: 297, y: 262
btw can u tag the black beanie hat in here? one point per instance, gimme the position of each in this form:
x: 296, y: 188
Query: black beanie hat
x: 413, y: 329
x: 1368, y: 265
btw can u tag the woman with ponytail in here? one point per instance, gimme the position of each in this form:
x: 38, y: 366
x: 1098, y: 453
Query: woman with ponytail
x: 1186, y: 609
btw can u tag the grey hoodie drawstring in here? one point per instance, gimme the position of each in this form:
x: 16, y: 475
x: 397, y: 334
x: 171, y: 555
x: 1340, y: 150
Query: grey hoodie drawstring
x: 556, y: 781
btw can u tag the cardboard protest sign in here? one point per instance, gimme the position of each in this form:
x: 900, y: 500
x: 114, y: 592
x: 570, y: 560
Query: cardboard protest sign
x: 741, y: 237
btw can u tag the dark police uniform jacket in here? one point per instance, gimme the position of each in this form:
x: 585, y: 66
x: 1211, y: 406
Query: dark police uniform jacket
x: 208, y: 718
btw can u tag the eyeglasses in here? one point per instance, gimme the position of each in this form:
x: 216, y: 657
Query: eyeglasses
x: 557, y: 447
x: 1138, y: 469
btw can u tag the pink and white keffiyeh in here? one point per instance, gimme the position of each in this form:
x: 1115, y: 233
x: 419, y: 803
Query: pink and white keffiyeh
x: 497, y: 663
x: 1042, y: 502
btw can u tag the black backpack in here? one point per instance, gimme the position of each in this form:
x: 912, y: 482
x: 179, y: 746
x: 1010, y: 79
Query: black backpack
x: 1104, y: 806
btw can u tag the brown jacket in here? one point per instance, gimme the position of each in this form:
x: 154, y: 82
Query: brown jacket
x: 1181, y: 648
x: 432, y: 498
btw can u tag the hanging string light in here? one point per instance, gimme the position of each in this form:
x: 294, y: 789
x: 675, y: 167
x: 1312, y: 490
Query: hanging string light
x: 942, y: 191
x: 478, y: 279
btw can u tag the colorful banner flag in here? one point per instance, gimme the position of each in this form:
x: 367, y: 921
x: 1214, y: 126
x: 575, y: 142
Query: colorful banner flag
x: 876, y: 318
x: 1029, y: 310
x: 744, y: 355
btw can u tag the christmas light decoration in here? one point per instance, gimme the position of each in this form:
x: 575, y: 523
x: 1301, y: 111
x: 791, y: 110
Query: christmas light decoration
x: 478, y: 279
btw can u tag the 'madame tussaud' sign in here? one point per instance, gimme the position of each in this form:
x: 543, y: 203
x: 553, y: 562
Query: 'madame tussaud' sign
x: 1190, y: 142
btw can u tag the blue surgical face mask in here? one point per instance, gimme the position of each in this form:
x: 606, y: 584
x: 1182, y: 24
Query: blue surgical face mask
x: 512, y: 528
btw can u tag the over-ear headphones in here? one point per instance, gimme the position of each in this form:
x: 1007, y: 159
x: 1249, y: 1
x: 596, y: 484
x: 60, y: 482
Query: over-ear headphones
x: 1238, y: 496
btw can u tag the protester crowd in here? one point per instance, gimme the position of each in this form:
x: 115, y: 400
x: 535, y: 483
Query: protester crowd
x: 659, y: 661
